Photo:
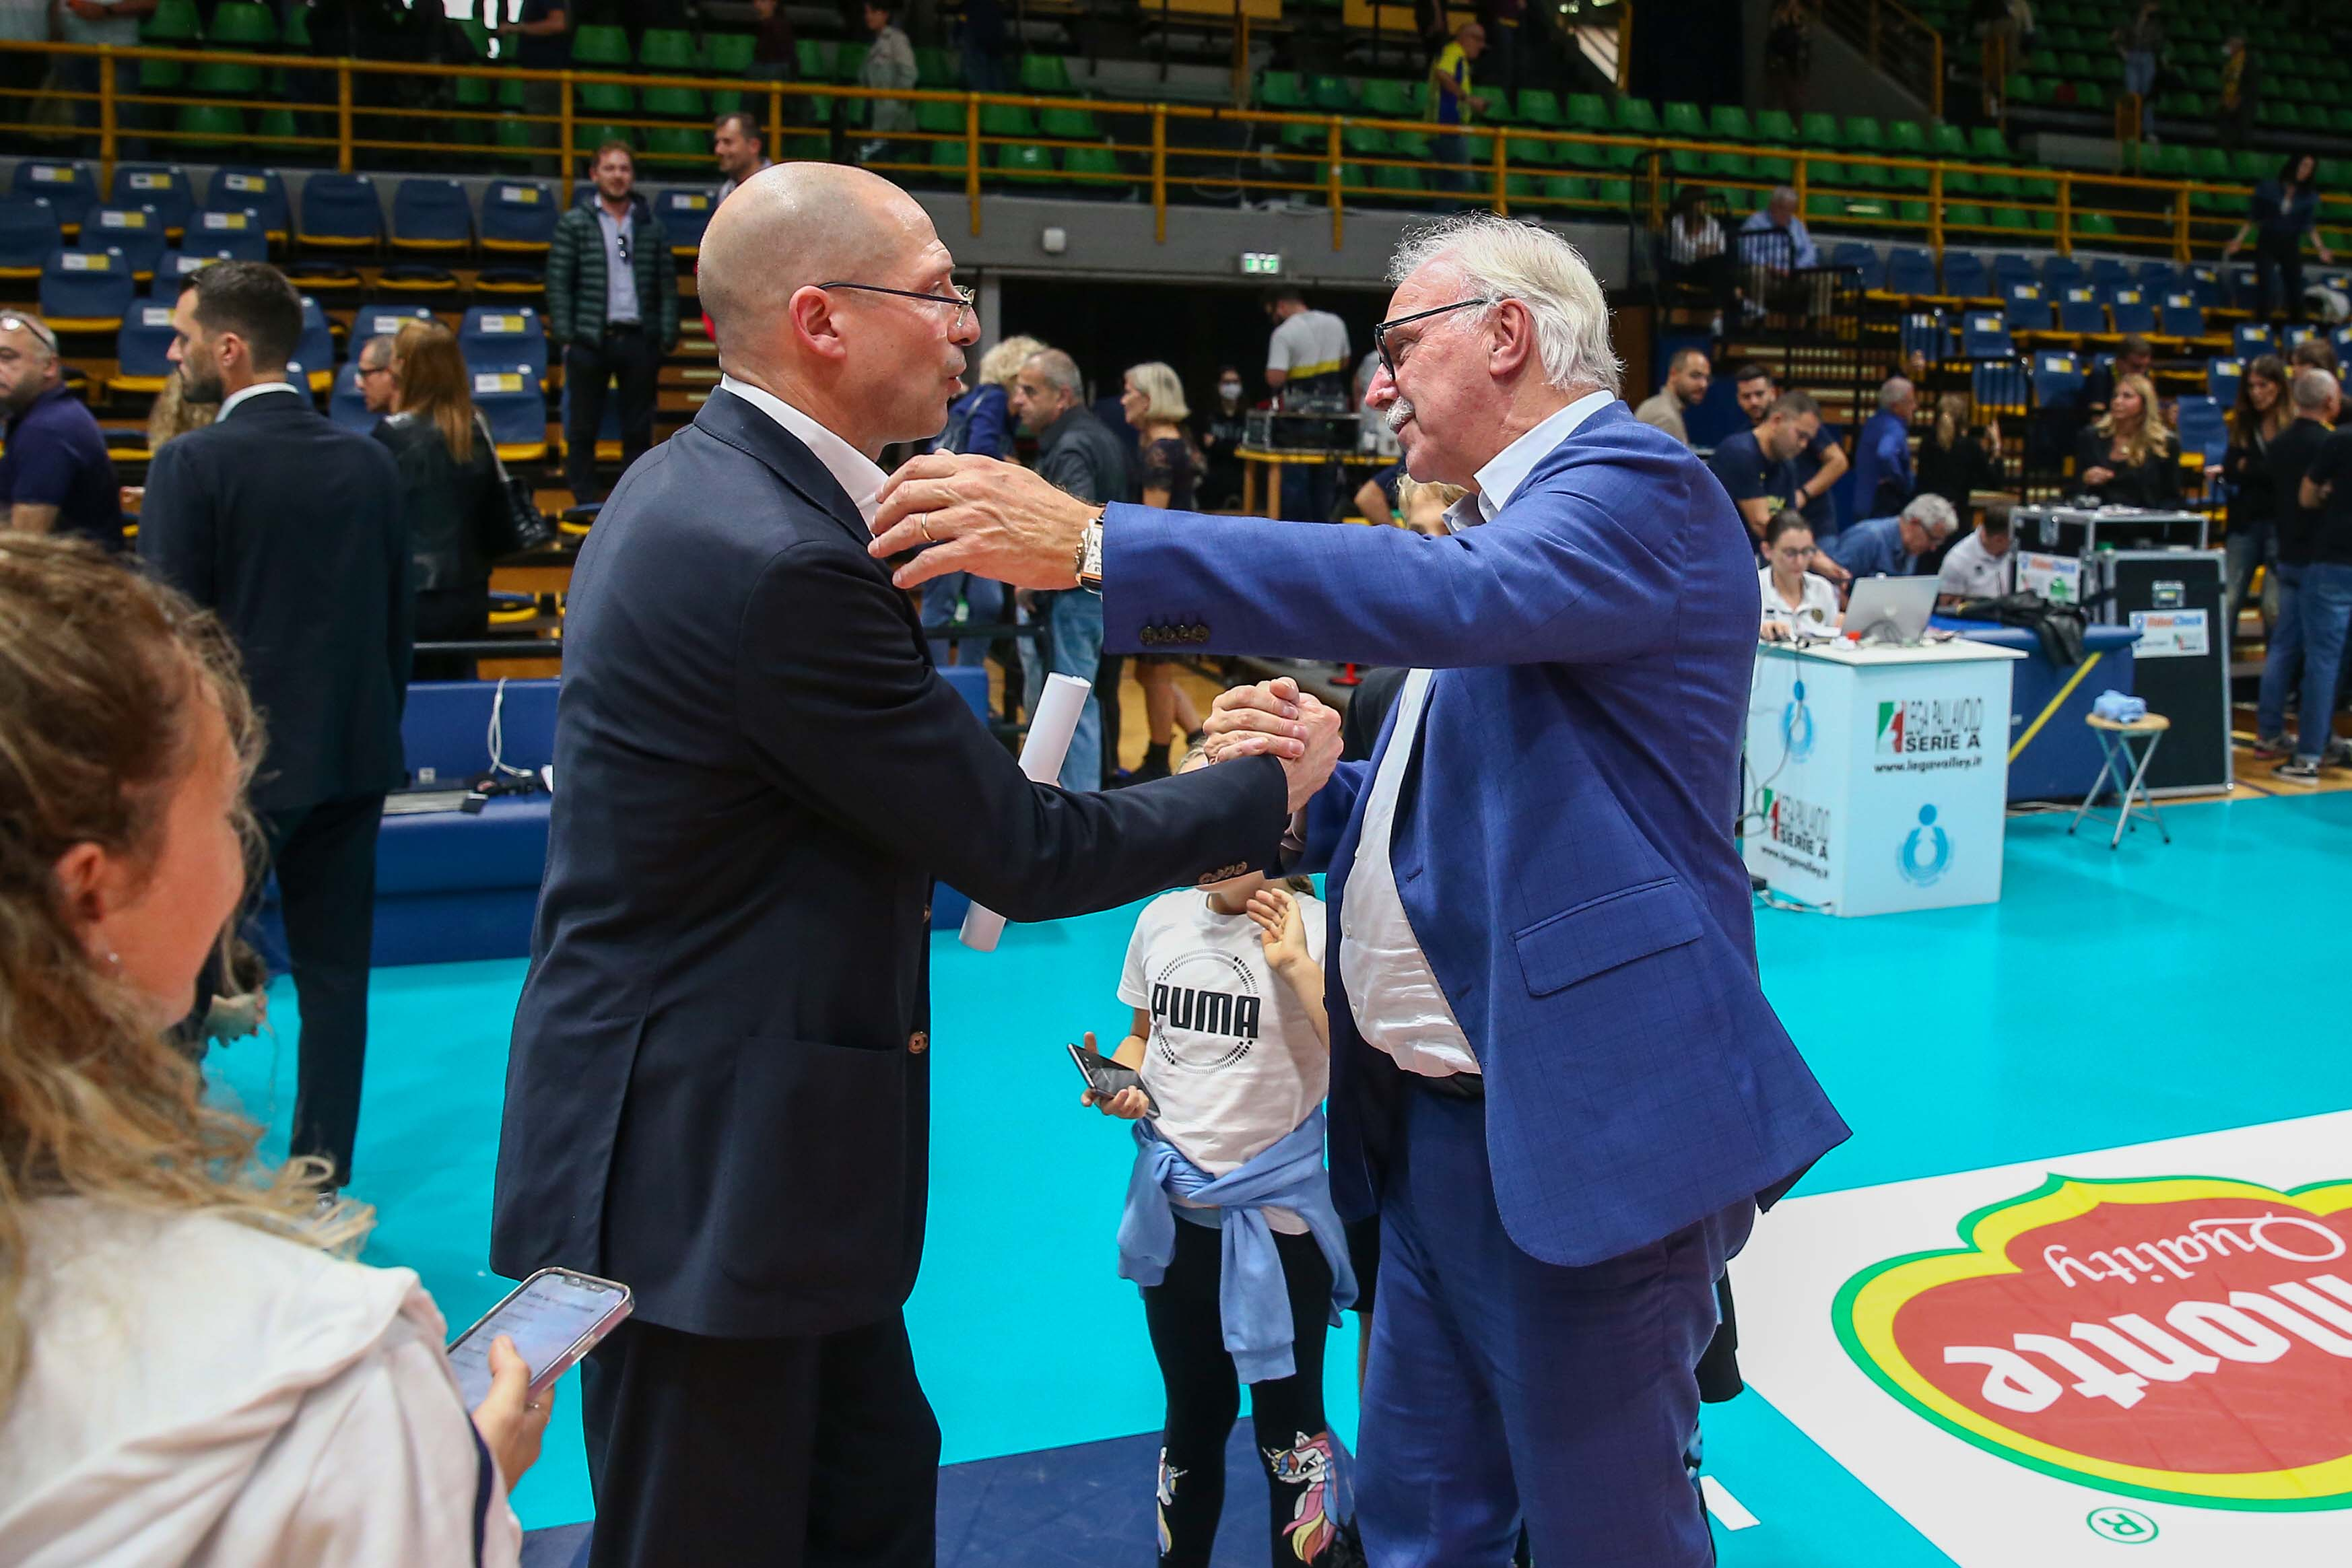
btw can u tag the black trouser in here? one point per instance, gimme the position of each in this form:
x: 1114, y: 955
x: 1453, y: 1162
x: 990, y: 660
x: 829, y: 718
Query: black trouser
x: 450, y: 615
x: 2283, y: 260
x: 325, y: 859
x: 1110, y: 670
x: 1294, y: 1444
x: 811, y: 1452
x: 628, y: 355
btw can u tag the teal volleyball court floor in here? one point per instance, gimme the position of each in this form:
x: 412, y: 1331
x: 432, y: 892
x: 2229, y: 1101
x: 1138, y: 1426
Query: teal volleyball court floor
x: 2109, y: 999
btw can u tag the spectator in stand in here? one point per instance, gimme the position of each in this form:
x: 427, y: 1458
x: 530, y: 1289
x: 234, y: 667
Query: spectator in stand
x: 1789, y: 56
x: 775, y: 52
x: 1078, y: 453
x: 1501, y: 18
x: 2284, y: 210
x: 2323, y: 602
x: 1817, y: 469
x: 540, y: 39
x: 1882, y: 476
x: 2317, y: 353
x: 1793, y: 243
x: 1796, y: 598
x: 55, y: 477
x: 2240, y: 99
x: 2317, y: 397
x: 173, y: 413
x: 374, y: 376
x: 1758, y: 466
x: 889, y: 68
x: 2130, y: 457
x: 235, y: 519
x: 1696, y: 256
x: 981, y: 420
x: 450, y: 492
x: 1957, y: 460
x: 1977, y: 567
x: 1893, y: 547
x: 1686, y: 381
x: 1222, y: 435
x: 981, y: 38
x: 1452, y: 104
x: 737, y: 145
x: 1307, y: 364
x: 2135, y: 358
x: 2263, y: 410
x: 192, y: 1370
x: 611, y: 308
x: 2140, y: 42
x: 1153, y: 401
x: 109, y: 22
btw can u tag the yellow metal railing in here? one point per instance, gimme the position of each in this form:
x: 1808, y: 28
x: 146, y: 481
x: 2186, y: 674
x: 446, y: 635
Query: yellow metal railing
x: 958, y: 141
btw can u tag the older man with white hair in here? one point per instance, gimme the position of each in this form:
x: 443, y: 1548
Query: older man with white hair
x: 1894, y: 547
x: 1554, y: 1073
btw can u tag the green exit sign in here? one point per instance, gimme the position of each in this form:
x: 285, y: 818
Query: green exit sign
x: 1261, y: 263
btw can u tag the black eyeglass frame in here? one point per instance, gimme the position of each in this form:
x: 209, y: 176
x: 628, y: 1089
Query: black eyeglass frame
x: 1381, y: 330
x: 16, y: 321
x: 965, y: 299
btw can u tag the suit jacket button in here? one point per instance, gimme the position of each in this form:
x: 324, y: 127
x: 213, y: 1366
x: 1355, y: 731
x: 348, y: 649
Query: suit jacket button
x: 918, y: 1043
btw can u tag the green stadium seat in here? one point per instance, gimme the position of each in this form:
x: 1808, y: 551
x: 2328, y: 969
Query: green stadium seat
x: 277, y: 128
x: 947, y: 159
x: 1682, y: 120
x: 1351, y: 178
x: 1007, y: 120
x: 1862, y: 133
x: 2008, y: 218
x: 1819, y: 207
x: 1960, y: 183
x: 161, y: 76
x: 1567, y: 188
x: 594, y: 44
x: 1735, y: 166
x: 2000, y: 187
x: 1587, y: 111
x: 210, y: 124
x: 1948, y: 141
x: 1779, y: 171
x: 2094, y: 225
x: 1729, y: 123
x: 472, y: 92
x: 2250, y: 166
x: 676, y: 143
x: 939, y: 69
x: 477, y: 36
x: 2169, y: 160
x: 1868, y: 176
x: 1068, y: 124
x: 1400, y: 182
x: 1774, y: 125
x: 1534, y: 153
x: 1637, y: 117
x: 1045, y: 74
x: 849, y: 62
x: 1364, y: 141
x: 517, y: 138
x: 1821, y: 130
x: 1987, y: 145
x: 1500, y: 111
x: 939, y: 119
x: 242, y: 24
x: 668, y: 50
x: 172, y: 22
x: 225, y: 78
x: 1415, y: 144
x: 1523, y: 188
x: 814, y: 56
x: 1963, y: 216
x: 1905, y: 138
x: 1540, y: 106
x: 1281, y: 90
x: 1824, y: 172
x: 674, y: 102
x: 732, y: 100
x: 587, y: 135
x: 1912, y: 212
x: 1386, y: 99
x: 603, y: 99
x: 1094, y: 168
x: 1330, y: 94
x: 1302, y: 136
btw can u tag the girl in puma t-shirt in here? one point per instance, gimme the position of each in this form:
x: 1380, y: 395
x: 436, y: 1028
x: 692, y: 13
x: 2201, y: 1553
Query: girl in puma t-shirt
x: 1231, y: 1038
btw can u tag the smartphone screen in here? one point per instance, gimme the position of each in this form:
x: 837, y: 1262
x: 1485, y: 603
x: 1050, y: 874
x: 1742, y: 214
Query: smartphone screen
x: 545, y: 1318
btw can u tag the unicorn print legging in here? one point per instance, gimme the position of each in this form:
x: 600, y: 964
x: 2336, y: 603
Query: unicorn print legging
x: 1294, y: 1447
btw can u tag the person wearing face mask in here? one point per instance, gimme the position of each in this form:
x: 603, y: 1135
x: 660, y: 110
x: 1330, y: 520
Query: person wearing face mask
x: 718, y: 1088
x: 1222, y: 430
x: 191, y: 1369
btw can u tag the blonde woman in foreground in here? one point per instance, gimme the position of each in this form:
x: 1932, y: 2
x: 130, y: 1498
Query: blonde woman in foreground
x: 191, y: 1369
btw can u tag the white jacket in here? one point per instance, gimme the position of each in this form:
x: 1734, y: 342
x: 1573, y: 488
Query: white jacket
x: 199, y: 1391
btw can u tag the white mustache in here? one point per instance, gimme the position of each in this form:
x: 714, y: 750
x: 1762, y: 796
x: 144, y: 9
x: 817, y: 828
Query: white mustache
x: 1399, y: 412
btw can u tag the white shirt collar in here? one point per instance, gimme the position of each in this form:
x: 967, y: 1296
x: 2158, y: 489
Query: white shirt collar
x: 852, y: 469
x: 1500, y: 479
x: 229, y: 403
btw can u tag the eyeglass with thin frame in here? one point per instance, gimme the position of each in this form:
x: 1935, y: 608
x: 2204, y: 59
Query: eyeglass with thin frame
x: 963, y: 298
x: 26, y: 324
x: 1381, y: 332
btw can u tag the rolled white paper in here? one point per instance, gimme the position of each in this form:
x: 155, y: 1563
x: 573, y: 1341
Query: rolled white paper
x: 1050, y: 729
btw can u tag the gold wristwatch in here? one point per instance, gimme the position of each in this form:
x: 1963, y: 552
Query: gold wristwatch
x: 1087, y: 560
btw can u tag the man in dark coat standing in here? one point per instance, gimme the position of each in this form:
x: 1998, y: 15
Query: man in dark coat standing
x: 718, y: 1086
x: 290, y: 529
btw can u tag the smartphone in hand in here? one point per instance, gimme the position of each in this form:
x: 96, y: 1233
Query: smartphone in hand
x: 554, y: 1318
x: 1106, y: 1077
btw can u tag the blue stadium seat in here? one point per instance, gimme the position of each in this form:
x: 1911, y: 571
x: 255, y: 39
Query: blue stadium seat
x: 2157, y: 278
x: 2342, y: 338
x: 346, y: 404
x: 512, y: 337
x: 1911, y: 273
x: 2132, y: 312
x: 2249, y: 340
x: 1923, y: 333
x: 141, y: 348
x: 1862, y: 260
x: 28, y: 233
x: 1999, y: 387
x: 519, y: 215
x: 70, y: 187
x: 384, y: 320
x: 2060, y: 273
x: 2009, y: 267
x: 2202, y: 428
x: 2057, y: 380
x: 2024, y: 310
x: 517, y: 410
x: 136, y: 232
x: 254, y: 190
x: 2205, y: 282
x: 684, y: 213
x: 85, y: 290
x: 2182, y: 317
x: 2223, y: 378
x: 431, y: 216
x: 2297, y: 334
x: 242, y: 234
x: 175, y: 267
x: 162, y: 186
x: 341, y: 212
x: 2079, y: 314
x: 1967, y: 278
x: 1984, y: 335
x: 316, y: 349
x: 2107, y: 272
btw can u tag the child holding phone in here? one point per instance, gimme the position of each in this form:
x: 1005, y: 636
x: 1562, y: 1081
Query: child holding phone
x: 1232, y: 1044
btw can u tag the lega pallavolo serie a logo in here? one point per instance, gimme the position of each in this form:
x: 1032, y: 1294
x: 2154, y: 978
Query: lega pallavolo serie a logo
x: 2185, y: 1339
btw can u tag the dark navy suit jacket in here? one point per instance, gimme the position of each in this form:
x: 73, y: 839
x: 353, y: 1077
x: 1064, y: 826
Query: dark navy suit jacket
x: 718, y: 1086
x: 1563, y: 845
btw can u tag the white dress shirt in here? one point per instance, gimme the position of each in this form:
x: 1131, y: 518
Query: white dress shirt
x: 229, y: 403
x: 1392, y: 990
x: 856, y: 473
x: 1816, y: 603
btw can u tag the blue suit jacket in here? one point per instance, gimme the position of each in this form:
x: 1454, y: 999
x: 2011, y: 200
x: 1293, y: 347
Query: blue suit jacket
x: 1564, y: 843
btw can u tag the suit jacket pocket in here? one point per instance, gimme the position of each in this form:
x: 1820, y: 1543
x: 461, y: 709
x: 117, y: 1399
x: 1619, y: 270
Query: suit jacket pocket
x: 813, y: 1187
x: 1602, y: 933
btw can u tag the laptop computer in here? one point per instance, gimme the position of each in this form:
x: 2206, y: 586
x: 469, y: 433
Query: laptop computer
x: 1891, y: 609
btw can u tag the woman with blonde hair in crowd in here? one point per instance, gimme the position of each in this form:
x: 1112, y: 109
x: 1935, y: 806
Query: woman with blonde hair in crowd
x: 450, y: 493
x: 172, y: 414
x: 981, y: 420
x: 191, y: 1369
x: 1423, y: 507
x: 1153, y: 401
x: 2129, y: 457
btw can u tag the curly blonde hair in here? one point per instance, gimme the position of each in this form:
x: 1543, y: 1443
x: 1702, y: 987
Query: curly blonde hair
x: 1001, y: 366
x: 102, y: 673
